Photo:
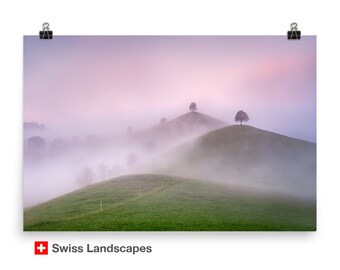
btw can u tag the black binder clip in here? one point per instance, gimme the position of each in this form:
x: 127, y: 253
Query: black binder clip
x: 294, y: 33
x: 46, y: 33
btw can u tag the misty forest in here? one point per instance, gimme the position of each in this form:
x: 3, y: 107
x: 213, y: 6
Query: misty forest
x: 192, y: 172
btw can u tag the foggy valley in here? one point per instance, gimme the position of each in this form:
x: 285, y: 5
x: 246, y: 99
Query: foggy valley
x: 256, y: 160
x: 57, y: 165
x: 169, y: 133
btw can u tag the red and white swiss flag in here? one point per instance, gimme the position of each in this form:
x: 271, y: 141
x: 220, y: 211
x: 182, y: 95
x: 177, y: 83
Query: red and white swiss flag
x: 41, y: 247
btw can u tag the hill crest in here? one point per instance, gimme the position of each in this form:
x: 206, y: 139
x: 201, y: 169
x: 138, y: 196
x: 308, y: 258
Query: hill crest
x: 246, y: 156
x: 196, y: 118
x: 176, y: 131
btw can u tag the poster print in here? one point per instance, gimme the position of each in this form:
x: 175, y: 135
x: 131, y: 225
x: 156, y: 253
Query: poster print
x: 169, y: 133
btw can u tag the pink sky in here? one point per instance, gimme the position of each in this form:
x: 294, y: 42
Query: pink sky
x: 97, y: 81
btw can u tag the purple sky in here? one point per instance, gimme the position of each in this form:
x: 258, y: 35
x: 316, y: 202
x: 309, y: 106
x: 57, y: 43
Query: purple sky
x: 111, y: 82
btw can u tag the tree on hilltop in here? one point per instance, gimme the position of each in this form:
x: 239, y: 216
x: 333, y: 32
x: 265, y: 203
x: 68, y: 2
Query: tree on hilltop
x: 193, y: 107
x: 241, y: 116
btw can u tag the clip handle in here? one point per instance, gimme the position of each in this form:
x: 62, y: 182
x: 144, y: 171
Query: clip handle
x: 294, y: 33
x: 46, y: 33
x: 293, y: 26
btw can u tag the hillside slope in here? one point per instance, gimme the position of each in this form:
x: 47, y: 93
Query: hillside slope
x: 194, y: 120
x: 163, y: 203
x: 248, y: 157
x: 178, y: 130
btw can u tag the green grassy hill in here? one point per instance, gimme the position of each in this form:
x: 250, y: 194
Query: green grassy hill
x: 248, y: 157
x: 163, y: 203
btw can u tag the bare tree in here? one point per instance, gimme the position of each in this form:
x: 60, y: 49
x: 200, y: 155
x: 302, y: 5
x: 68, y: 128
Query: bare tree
x: 241, y: 116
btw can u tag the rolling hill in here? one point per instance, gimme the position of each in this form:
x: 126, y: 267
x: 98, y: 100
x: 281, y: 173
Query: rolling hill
x: 233, y: 178
x: 194, y: 121
x: 174, y: 132
x: 164, y: 203
x: 246, y: 157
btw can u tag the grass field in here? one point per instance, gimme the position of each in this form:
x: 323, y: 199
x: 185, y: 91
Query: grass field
x: 163, y: 203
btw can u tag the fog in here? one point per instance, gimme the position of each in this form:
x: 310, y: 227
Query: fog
x: 93, y: 105
x: 255, y: 160
x: 247, y: 158
x: 80, y: 84
x: 57, y: 163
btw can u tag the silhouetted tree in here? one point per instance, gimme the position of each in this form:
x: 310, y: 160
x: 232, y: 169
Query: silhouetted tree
x: 163, y: 121
x: 36, y: 143
x: 35, y: 148
x: 241, y: 116
x: 193, y: 107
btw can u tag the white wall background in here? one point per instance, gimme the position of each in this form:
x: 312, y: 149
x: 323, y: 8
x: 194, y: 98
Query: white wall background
x: 172, y: 250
